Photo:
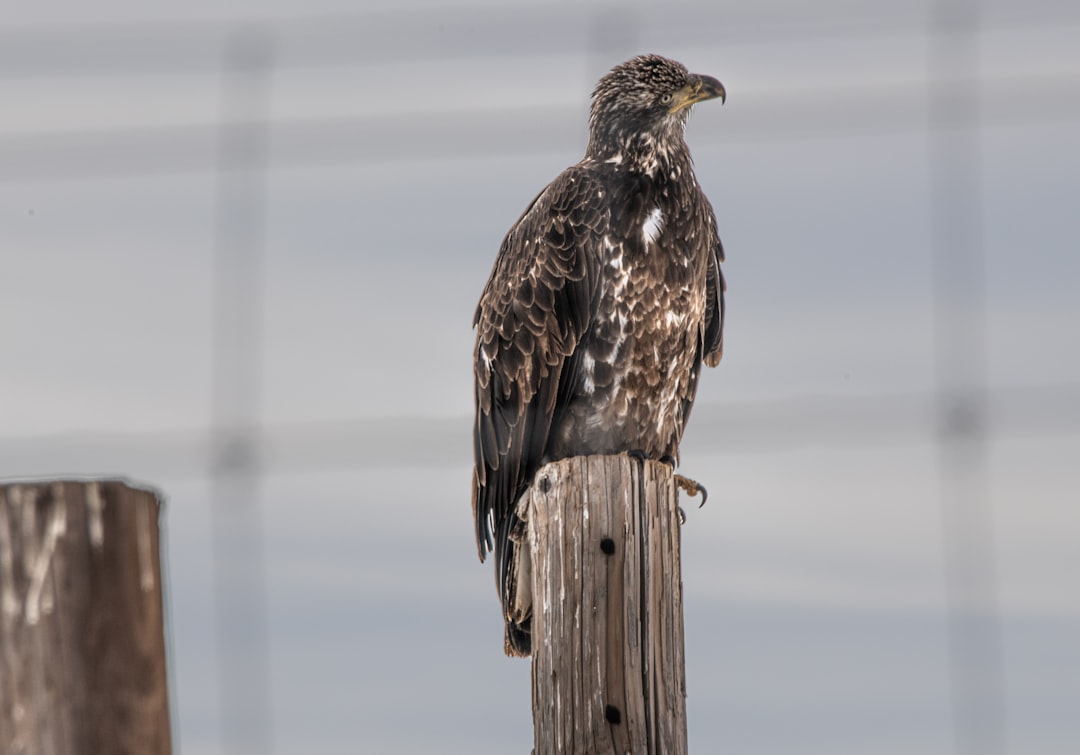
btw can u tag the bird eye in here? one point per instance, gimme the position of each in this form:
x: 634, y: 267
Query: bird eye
x: 666, y: 99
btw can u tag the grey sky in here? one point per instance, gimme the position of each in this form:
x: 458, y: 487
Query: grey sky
x: 402, y: 147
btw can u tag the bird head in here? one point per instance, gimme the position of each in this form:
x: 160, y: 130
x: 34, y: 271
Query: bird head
x: 646, y: 100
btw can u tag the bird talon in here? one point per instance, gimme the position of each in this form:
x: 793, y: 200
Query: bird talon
x: 692, y: 488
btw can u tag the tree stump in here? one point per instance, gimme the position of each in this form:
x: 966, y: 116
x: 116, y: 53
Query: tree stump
x: 82, y: 647
x: 608, y: 673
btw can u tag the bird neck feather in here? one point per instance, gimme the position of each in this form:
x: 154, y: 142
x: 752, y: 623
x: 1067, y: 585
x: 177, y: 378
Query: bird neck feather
x: 638, y: 151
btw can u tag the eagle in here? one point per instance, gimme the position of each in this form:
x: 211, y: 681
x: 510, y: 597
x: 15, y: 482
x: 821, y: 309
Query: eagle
x: 605, y: 299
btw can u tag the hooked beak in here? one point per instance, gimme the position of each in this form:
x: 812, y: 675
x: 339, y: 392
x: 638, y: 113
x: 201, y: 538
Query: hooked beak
x: 699, y: 88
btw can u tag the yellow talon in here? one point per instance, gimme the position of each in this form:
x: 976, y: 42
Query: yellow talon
x: 692, y: 488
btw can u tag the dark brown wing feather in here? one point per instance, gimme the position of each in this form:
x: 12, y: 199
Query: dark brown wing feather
x: 534, y: 310
x: 711, y: 348
x: 715, y: 287
x: 714, y: 298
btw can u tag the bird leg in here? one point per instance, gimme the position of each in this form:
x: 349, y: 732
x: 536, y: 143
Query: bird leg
x: 692, y: 488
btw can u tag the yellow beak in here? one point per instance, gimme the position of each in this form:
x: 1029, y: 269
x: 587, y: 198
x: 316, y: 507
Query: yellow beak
x: 699, y: 88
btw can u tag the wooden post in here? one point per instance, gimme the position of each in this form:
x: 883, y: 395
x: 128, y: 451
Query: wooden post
x: 608, y: 674
x: 82, y: 650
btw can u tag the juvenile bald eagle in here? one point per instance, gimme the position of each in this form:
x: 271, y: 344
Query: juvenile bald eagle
x: 605, y: 299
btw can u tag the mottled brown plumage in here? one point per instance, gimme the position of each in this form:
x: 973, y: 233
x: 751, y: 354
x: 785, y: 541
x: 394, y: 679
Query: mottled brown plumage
x: 605, y: 299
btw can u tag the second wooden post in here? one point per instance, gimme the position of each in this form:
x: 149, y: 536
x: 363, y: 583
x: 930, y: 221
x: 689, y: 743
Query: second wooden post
x: 82, y: 629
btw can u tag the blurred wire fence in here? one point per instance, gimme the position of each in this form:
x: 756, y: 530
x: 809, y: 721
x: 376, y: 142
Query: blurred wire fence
x: 958, y: 94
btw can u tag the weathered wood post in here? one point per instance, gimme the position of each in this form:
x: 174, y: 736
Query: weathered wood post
x: 608, y: 674
x: 82, y: 650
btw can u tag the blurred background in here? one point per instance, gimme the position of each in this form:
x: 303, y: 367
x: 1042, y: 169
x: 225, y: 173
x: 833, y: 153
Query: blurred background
x: 242, y: 244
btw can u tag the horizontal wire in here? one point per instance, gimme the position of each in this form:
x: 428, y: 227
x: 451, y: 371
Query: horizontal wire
x: 766, y: 426
x: 434, y: 135
x: 387, y: 36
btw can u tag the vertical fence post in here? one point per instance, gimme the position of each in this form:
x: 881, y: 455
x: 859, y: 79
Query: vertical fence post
x: 82, y: 644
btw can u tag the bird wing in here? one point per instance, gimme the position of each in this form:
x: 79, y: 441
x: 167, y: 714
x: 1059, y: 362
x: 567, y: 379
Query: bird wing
x: 536, y: 307
x: 713, y: 336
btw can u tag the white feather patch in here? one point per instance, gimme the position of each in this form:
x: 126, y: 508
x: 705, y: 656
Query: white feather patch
x: 653, y: 226
x: 588, y: 365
